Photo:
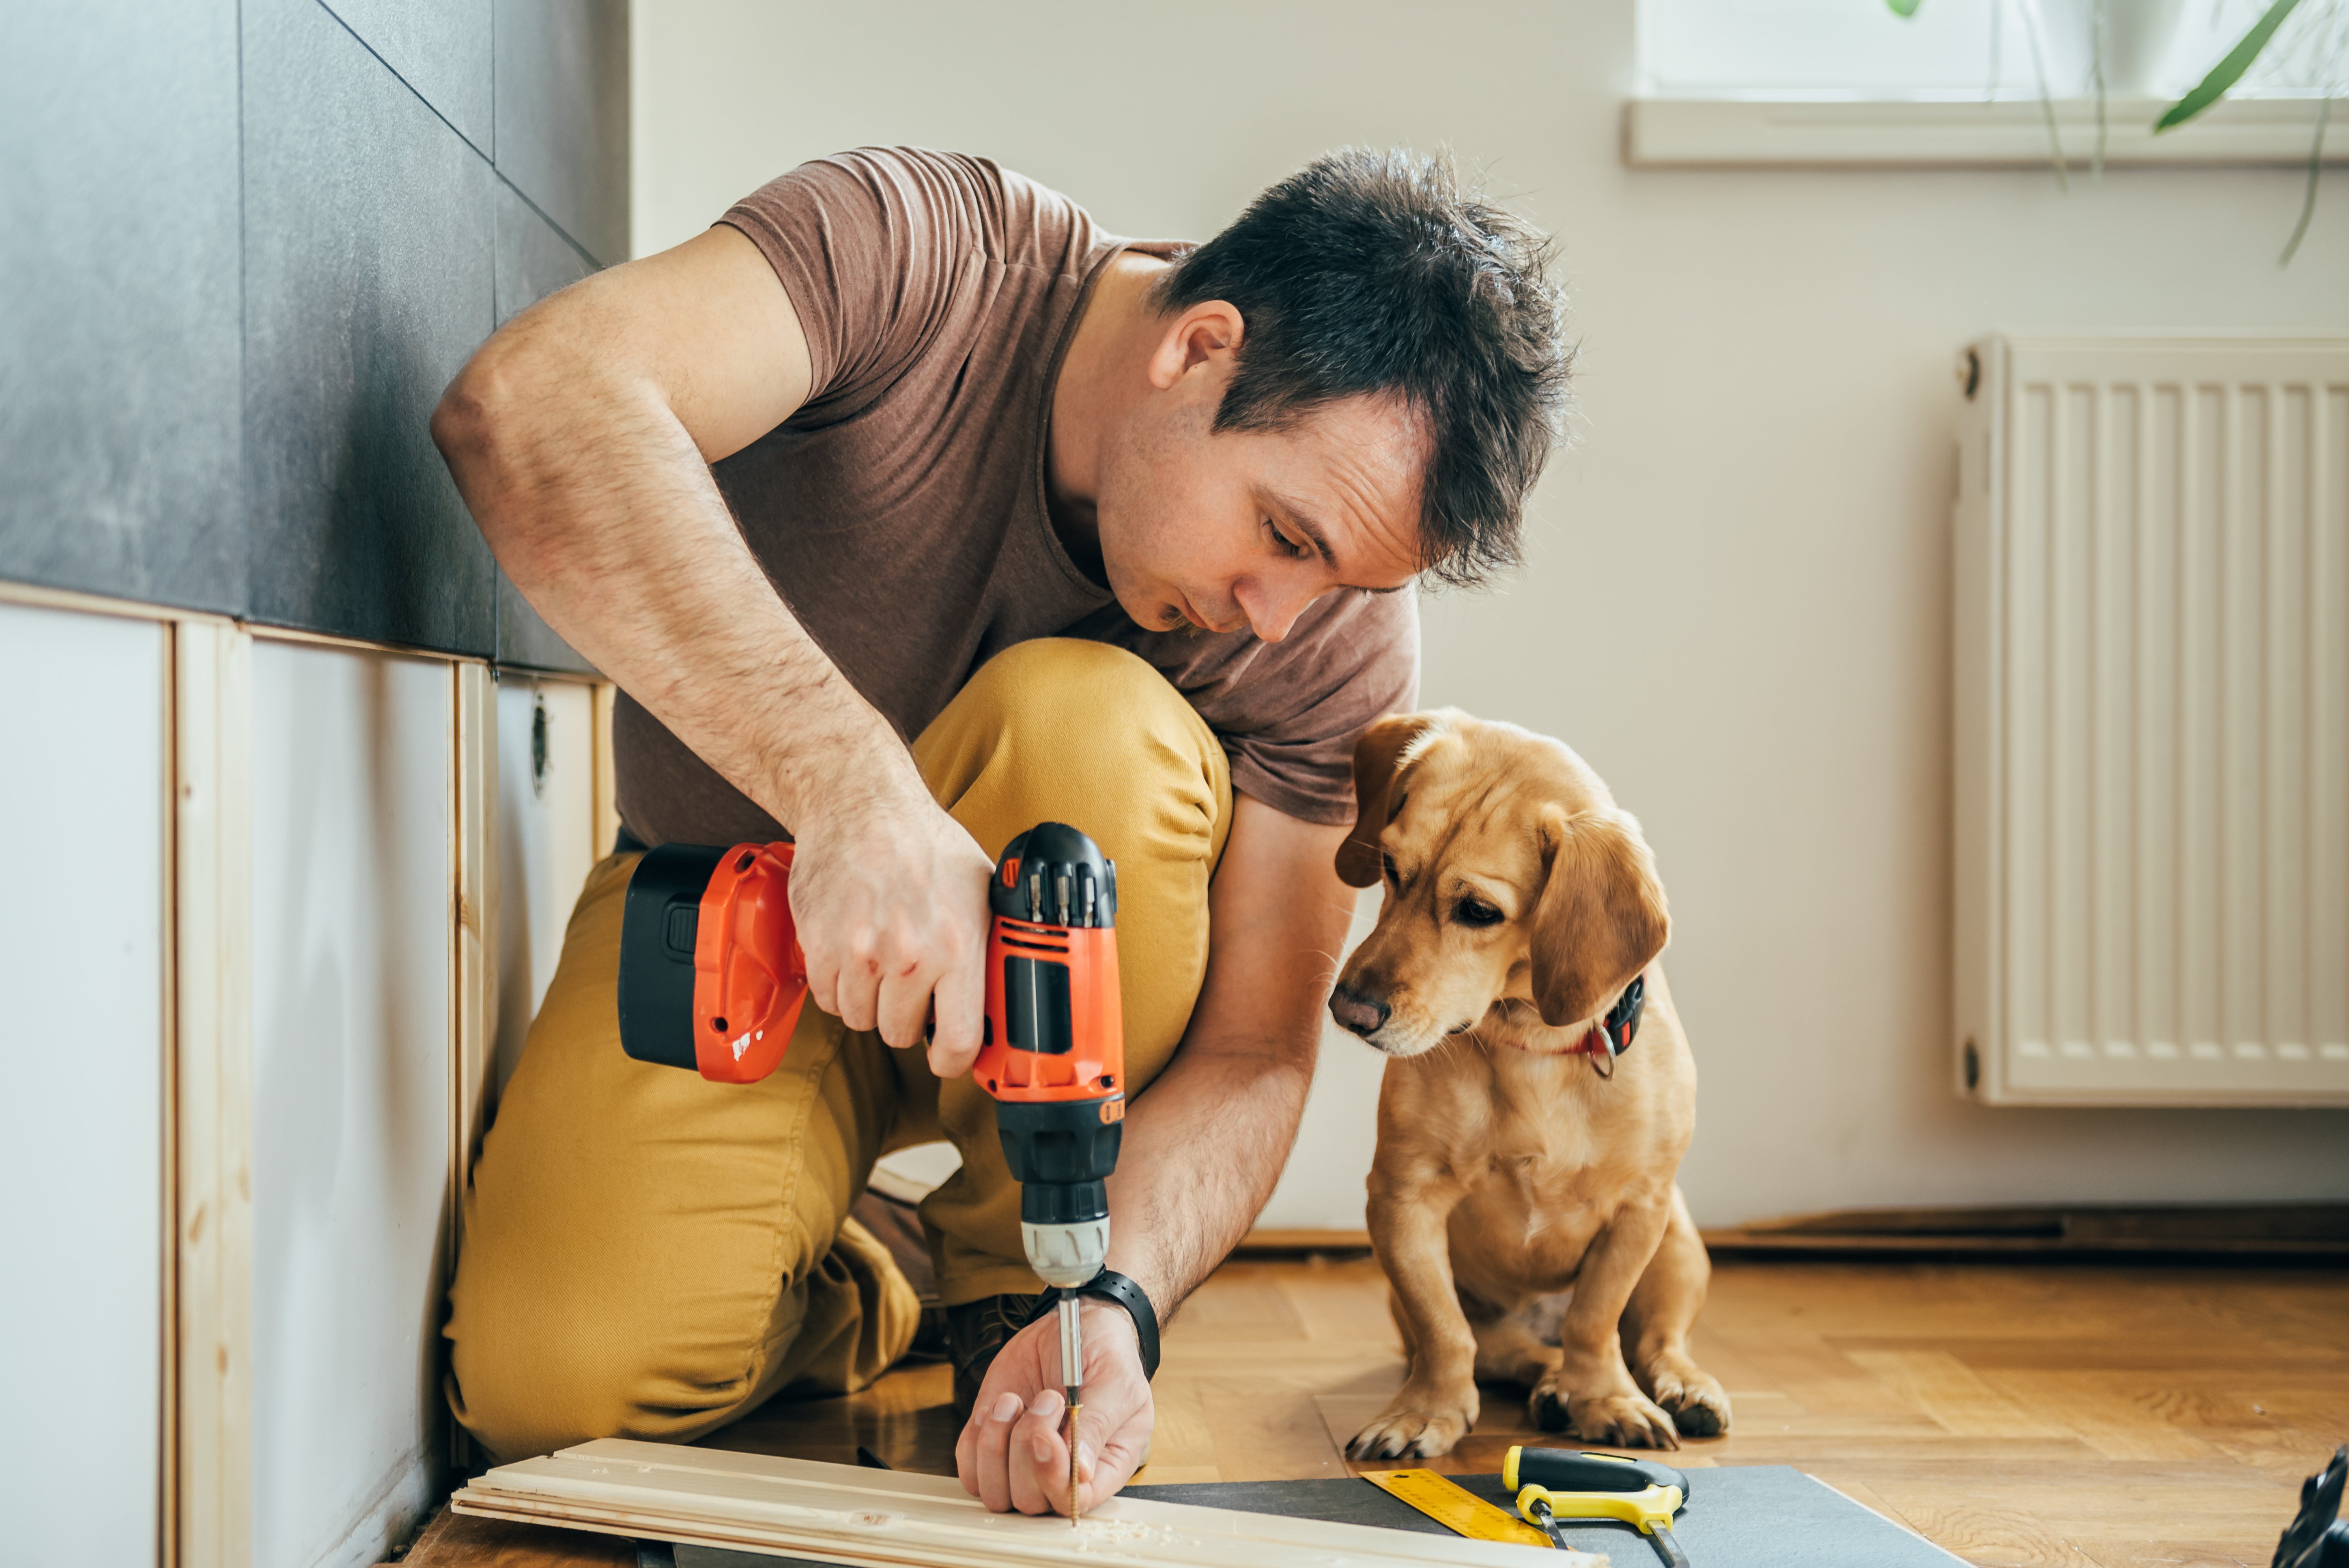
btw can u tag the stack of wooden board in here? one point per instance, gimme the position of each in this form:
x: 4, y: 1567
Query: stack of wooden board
x: 889, y: 1519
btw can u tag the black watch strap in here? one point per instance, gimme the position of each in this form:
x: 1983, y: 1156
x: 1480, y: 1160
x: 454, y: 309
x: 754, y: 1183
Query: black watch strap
x: 1111, y: 1286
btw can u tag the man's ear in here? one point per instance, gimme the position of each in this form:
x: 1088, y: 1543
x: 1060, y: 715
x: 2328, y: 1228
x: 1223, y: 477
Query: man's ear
x: 1376, y: 800
x: 1601, y: 918
x: 1194, y: 337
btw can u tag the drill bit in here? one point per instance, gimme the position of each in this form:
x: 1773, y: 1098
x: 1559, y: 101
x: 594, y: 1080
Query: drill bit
x: 1072, y: 1374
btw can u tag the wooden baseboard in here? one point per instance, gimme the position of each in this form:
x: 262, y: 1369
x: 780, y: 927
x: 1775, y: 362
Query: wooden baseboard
x: 2225, y: 1232
x: 1262, y: 1242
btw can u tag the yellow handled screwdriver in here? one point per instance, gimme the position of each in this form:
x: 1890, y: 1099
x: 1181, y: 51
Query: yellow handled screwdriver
x: 1650, y: 1510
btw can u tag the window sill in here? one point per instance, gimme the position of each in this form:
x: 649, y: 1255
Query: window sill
x: 1713, y: 132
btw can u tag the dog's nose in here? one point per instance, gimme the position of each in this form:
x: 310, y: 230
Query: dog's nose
x: 1366, y: 1015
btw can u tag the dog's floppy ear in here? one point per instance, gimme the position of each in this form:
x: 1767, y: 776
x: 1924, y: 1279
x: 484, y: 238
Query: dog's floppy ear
x: 1601, y: 917
x: 1374, y: 800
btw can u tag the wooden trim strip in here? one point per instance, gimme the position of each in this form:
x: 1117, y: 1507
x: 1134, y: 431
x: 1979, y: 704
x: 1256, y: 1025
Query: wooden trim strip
x: 356, y: 645
x: 167, y: 1455
x: 41, y: 598
x: 608, y: 787
x: 212, y: 1028
x: 472, y: 818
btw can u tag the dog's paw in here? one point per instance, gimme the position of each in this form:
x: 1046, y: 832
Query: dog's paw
x: 1420, y: 1424
x: 1693, y: 1400
x: 1620, y: 1420
x: 1547, y: 1408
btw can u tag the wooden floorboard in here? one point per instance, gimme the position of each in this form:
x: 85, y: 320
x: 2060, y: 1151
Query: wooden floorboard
x: 2064, y: 1414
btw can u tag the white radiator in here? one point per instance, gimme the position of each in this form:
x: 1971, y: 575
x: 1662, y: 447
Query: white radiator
x: 2152, y: 723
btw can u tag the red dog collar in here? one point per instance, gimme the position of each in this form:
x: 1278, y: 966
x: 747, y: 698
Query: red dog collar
x: 1613, y: 1037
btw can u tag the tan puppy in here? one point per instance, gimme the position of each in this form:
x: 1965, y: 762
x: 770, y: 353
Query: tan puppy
x: 1515, y: 1160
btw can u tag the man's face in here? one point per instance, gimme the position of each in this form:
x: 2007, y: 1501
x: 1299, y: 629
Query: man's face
x: 1243, y: 529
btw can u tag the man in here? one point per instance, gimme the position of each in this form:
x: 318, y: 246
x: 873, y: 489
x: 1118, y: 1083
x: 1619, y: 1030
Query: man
x: 1122, y: 534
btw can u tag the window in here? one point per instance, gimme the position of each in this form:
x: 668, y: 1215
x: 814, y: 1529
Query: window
x: 1971, y: 48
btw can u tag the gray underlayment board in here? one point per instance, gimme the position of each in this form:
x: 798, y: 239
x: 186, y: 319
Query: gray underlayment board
x: 1738, y: 1516
x: 369, y: 278
x: 120, y: 347
x: 439, y: 47
x: 561, y: 106
x: 243, y: 249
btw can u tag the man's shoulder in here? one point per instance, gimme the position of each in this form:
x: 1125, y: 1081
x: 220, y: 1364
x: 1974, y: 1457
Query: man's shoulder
x: 930, y: 195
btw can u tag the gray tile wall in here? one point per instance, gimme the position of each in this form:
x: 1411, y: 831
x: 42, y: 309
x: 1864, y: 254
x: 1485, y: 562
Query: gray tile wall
x: 563, y: 115
x: 221, y: 333
x: 120, y: 342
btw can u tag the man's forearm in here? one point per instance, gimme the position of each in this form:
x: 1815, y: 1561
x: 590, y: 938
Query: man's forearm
x: 598, y: 505
x: 1206, y: 1142
x: 581, y: 436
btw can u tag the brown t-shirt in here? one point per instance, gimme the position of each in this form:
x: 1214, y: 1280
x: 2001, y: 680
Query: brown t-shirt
x: 901, y: 512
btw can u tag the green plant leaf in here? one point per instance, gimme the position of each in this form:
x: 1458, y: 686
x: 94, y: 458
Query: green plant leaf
x: 2227, y: 72
x: 1901, y: 7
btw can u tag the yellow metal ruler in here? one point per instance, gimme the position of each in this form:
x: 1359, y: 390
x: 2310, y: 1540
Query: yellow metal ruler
x: 1454, y: 1507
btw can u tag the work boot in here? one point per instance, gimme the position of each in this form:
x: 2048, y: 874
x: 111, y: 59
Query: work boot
x: 896, y: 1224
x: 976, y: 1331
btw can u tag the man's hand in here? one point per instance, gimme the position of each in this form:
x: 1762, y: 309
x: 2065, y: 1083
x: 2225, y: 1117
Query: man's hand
x: 890, y: 897
x: 1011, y: 1453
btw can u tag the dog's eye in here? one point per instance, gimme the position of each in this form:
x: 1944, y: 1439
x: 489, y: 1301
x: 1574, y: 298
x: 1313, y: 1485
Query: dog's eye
x: 1475, y: 912
x: 1387, y: 867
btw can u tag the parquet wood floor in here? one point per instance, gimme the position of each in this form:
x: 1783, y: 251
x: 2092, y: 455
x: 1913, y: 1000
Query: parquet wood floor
x: 2040, y: 1415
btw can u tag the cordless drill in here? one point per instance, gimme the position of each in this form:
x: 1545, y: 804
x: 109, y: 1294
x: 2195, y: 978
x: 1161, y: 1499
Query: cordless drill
x: 712, y: 978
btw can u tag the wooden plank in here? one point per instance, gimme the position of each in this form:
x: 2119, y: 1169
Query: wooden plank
x: 472, y: 972
x: 211, y: 1029
x: 608, y: 787
x: 472, y: 977
x: 885, y: 1518
x: 167, y: 1545
x: 41, y: 598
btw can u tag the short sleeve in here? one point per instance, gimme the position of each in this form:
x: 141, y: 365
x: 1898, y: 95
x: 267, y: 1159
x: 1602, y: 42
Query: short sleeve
x: 870, y: 245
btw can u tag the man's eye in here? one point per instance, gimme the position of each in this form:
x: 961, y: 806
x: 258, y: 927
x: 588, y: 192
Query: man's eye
x: 1287, y: 546
x: 1475, y: 912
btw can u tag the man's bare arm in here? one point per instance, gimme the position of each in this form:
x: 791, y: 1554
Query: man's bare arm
x: 581, y: 436
x: 1206, y: 1142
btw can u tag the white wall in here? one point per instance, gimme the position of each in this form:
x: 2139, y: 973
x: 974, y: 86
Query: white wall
x: 82, y: 1230
x: 545, y: 841
x: 1736, y: 604
x: 352, y: 1087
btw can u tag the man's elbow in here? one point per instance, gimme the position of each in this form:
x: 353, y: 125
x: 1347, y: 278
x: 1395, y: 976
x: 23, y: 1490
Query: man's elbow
x: 469, y: 422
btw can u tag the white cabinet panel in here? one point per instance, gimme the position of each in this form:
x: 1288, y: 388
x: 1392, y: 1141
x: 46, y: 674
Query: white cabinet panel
x: 546, y: 840
x: 352, y: 1085
x: 82, y: 1232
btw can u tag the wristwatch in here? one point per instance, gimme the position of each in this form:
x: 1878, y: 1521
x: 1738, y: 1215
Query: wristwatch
x: 1111, y: 1286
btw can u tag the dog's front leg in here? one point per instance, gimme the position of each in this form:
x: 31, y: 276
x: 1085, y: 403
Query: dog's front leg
x: 1438, y: 1403
x: 1592, y: 1393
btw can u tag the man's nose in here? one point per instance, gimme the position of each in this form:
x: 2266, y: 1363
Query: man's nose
x: 1364, y: 1014
x: 1272, y: 608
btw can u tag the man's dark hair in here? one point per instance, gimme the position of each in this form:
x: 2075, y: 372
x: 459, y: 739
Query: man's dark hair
x: 1370, y: 273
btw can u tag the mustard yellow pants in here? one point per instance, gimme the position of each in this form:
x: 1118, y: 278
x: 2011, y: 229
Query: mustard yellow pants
x: 647, y: 1254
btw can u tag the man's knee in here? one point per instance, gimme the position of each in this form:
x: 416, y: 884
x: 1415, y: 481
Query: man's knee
x: 1042, y: 689
x: 1086, y: 720
x: 530, y: 1374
